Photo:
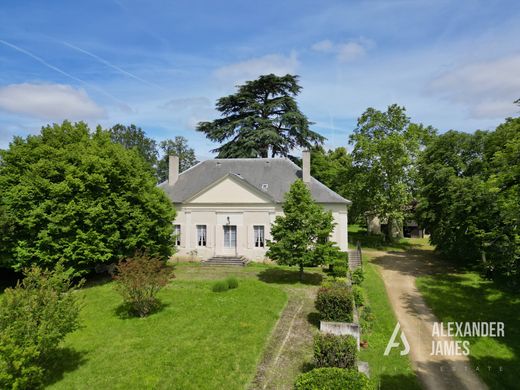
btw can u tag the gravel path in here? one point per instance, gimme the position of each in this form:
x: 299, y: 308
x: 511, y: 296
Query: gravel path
x: 399, y: 270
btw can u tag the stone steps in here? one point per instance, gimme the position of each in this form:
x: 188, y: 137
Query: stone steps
x: 225, y: 261
x: 354, y: 259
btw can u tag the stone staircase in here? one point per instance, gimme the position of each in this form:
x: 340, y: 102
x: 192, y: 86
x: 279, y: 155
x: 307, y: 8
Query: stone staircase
x: 354, y: 258
x: 225, y: 261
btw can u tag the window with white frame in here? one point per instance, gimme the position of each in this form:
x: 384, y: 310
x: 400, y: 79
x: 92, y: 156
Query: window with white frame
x: 202, y: 234
x: 177, y: 234
x: 259, y: 236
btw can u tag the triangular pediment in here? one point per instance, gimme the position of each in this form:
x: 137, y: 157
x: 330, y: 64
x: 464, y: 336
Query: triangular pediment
x: 230, y: 189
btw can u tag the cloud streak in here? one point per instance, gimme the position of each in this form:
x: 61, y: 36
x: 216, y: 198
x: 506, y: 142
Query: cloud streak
x: 348, y: 51
x: 122, y: 104
x: 115, y: 67
x: 488, y: 88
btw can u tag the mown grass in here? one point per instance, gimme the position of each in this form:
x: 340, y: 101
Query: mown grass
x: 388, y: 372
x: 466, y: 297
x: 199, y: 340
x: 359, y: 234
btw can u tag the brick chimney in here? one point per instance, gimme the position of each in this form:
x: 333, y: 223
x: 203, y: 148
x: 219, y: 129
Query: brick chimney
x: 306, y: 164
x: 173, y: 170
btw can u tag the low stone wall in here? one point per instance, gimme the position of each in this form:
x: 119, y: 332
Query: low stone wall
x: 341, y: 329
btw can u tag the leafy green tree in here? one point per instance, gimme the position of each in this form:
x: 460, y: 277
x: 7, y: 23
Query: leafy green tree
x: 386, y: 147
x: 178, y: 147
x: 335, y: 169
x: 301, y: 235
x: 134, y: 137
x: 72, y: 195
x: 469, y: 198
x: 261, y: 119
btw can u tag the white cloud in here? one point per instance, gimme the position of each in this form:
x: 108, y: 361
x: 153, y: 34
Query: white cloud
x: 346, y: 51
x: 49, y: 101
x: 350, y: 51
x: 250, y: 69
x: 323, y: 46
x: 488, y: 89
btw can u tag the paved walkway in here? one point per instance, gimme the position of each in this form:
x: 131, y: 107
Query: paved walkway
x: 399, y: 270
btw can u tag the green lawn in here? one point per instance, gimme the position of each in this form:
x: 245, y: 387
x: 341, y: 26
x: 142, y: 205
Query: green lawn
x: 393, y: 371
x: 357, y: 233
x: 199, y: 340
x: 466, y: 297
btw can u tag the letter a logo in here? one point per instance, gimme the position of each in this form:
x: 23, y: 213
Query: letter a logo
x: 392, y: 344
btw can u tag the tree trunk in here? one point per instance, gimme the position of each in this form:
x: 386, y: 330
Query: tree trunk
x: 301, y: 273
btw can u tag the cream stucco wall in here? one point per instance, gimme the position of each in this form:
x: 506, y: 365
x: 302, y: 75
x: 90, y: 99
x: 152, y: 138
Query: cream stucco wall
x: 229, y: 202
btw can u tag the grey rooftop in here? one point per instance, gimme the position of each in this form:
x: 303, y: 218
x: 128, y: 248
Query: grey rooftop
x: 272, y: 176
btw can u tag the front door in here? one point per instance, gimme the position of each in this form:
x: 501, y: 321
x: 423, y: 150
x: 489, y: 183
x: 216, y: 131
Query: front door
x: 230, y: 240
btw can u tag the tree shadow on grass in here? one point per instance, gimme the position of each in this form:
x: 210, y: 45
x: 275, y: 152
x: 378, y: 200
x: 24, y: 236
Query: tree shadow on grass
x: 125, y: 312
x: 314, y: 319
x: 63, y: 360
x: 397, y: 381
x: 283, y: 276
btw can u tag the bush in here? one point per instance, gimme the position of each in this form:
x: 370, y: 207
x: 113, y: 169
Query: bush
x: 332, y: 378
x: 220, y: 286
x: 335, y: 351
x: 35, y: 317
x: 358, y: 276
x: 226, y: 284
x: 139, y: 279
x: 339, y: 271
x: 359, y: 297
x: 335, y: 303
x: 232, y: 282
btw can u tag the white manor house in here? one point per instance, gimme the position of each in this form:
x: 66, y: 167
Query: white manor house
x: 225, y: 207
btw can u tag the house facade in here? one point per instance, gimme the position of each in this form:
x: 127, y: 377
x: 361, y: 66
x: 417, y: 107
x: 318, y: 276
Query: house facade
x: 225, y: 207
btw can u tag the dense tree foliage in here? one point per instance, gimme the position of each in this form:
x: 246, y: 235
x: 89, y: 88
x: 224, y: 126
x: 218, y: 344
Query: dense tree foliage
x: 133, y: 137
x: 261, y: 119
x: 335, y: 169
x: 73, y: 195
x: 178, y: 147
x: 386, y: 147
x: 35, y: 317
x: 301, y: 235
x: 469, y: 197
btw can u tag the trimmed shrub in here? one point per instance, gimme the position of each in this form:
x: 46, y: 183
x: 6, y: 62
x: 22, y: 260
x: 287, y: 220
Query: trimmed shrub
x: 139, y: 279
x: 332, y: 378
x: 220, y: 286
x: 339, y: 271
x: 335, y: 351
x: 35, y: 317
x: 232, y: 282
x: 357, y: 276
x: 359, y: 296
x: 335, y: 303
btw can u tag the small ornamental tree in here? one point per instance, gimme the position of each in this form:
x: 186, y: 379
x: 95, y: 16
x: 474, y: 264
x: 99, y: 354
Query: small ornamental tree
x: 301, y: 235
x: 139, y: 279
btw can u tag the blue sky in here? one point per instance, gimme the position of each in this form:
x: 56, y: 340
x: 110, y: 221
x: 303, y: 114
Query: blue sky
x: 163, y: 64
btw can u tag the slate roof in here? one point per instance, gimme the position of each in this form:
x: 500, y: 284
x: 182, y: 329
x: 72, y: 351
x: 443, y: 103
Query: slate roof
x: 277, y: 173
